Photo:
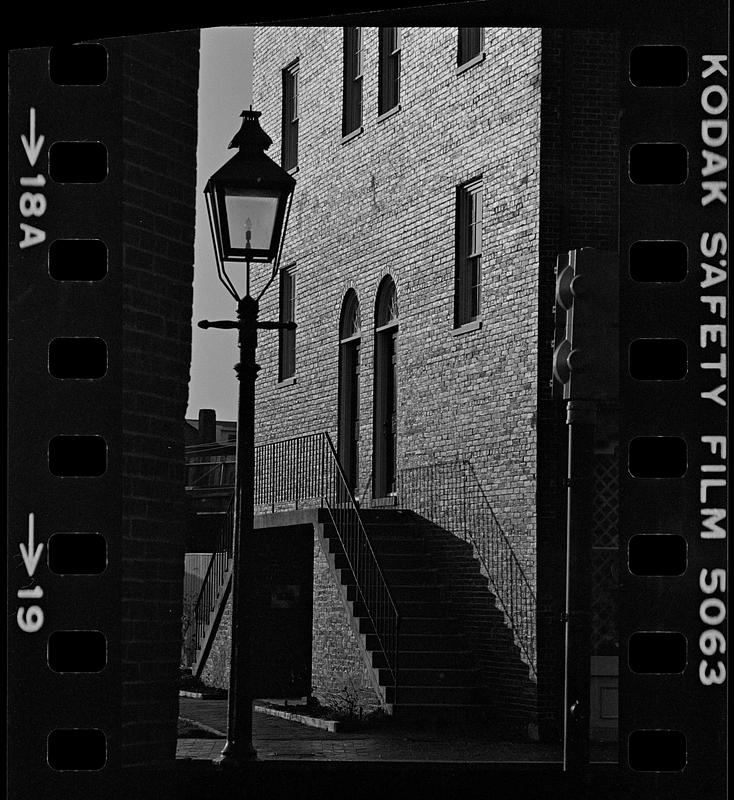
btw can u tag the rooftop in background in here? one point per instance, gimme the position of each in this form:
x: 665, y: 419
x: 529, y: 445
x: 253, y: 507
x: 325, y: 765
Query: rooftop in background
x: 208, y: 429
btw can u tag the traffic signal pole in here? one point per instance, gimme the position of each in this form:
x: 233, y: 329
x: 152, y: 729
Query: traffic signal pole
x: 581, y: 421
x: 586, y: 369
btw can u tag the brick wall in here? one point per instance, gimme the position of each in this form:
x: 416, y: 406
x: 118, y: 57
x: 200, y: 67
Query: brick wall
x: 159, y: 131
x: 281, y: 620
x: 537, y: 118
x: 335, y: 662
x: 384, y: 203
x: 578, y: 208
x: 216, y: 669
x: 339, y: 677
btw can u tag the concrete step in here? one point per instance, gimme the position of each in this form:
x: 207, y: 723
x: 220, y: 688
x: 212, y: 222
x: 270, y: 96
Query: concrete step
x: 434, y: 659
x: 392, y: 566
x: 386, y: 530
x: 410, y: 577
x: 401, y: 545
x: 430, y: 593
x: 435, y: 626
x: 411, y: 560
x: 428, y: 713
x: 413, y: 642
x: 432, y: 695
x: 389, y: 516
x: 435, y: 677
x: 426, y: 608
x: 403, y: 593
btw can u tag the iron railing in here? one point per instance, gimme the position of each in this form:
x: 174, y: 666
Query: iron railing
x: 214, y: 586
x: 205, y: 474
x: 451, y: 495
x: 372, y: 592
x: 210, y: 465
x: 303, y: 472
x: 290, y: 474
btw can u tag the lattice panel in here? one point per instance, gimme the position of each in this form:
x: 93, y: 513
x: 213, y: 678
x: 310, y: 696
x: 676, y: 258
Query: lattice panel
x: 606, y: 501
x: 604, y: 629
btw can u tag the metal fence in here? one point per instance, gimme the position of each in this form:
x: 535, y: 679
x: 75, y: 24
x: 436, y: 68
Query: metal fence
x: 303, y: 472
x: 451, y: 495
x: 213, y: 588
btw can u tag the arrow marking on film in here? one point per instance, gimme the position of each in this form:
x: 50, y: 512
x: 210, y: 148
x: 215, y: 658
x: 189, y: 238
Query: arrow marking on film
x: 32, y: 146
x: 31, y: 554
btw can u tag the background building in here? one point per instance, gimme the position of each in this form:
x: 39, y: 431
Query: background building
x: 159, y: 105
x: 439, y: 173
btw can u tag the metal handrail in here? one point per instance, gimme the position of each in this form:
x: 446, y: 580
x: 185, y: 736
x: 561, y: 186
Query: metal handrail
x: 218, y: 465
x: 517, y: 601
x: 305, y: 471
x: 212, y: 587
x: 453, y: 497
x: 370, y: 583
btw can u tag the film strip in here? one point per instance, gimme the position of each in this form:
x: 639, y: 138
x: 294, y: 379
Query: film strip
x: 65, y: 424
x: 66, y: 634
x: 673, y: 290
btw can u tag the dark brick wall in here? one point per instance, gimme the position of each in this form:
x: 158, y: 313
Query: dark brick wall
x: 281, y: 622
x: 578, y: 208
x: 335, y: 665
x: 159, y: 132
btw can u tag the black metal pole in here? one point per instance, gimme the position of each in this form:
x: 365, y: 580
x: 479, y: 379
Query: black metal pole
x: 239, y: 745
x: 581, y: 421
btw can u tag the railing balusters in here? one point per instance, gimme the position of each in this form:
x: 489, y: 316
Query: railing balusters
x: 302, y: 471
x: 451, y: 495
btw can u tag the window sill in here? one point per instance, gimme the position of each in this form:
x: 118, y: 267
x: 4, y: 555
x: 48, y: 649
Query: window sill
x: 389, y: 113
x: 292, y: 170
x: 470, y: 63
x: 286, y: 382
x: 467, y: 327
x: 353, y: 135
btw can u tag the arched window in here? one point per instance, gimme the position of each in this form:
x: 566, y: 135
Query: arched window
x: 386, y: 310
x: 384, y: 458
x: 349, y: 363
x: 351, y: 321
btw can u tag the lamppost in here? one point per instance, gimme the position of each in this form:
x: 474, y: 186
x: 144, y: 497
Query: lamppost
x: 248, y: 200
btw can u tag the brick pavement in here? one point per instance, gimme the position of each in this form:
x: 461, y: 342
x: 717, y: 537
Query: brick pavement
x: 276, y: 738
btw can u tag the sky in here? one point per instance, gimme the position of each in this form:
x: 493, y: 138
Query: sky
x: 225, y: 89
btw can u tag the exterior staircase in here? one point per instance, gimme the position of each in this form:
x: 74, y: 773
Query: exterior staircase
x: 440, y: 627
x: 438, y: 672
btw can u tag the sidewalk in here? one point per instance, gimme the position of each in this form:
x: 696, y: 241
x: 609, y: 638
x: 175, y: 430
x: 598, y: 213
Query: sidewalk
x: 275, y: 738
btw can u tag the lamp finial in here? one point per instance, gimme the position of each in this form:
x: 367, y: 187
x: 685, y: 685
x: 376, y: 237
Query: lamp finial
x: 251, y: 137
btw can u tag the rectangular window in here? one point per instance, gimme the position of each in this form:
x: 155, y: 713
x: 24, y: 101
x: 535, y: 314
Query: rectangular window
x: 287, y: 339
x: 389, y: 93
x: 289, y: 154
x: 468, y: 296
x: 471, y: 42
x: 352, y: 116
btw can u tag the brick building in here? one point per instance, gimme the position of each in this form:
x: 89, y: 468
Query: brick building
x: 439, y: 173
x: 159, y: 108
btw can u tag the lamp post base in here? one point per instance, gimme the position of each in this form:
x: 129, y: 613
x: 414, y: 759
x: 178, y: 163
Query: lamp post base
x: 235, y: 754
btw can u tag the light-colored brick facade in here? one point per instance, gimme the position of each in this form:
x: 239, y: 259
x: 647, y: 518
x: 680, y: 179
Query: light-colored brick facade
x: 535, y: 118
x: 384, y: 203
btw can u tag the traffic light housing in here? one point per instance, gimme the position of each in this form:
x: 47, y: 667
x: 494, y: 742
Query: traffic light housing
x: 586, y: 346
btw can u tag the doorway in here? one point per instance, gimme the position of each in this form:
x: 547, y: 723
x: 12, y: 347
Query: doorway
x: 349, y: 366
x: 384, y: 468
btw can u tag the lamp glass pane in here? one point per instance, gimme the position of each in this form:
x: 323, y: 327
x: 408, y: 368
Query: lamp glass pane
x: 254, y: 211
